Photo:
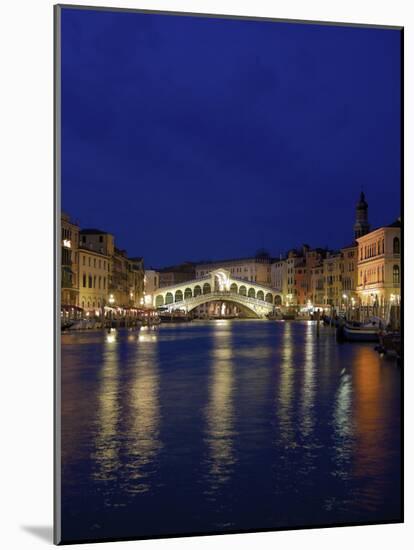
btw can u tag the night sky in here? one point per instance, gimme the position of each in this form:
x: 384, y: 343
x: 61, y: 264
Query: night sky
x: 197, y: 138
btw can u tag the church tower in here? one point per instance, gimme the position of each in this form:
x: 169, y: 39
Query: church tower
x: 361, y: 225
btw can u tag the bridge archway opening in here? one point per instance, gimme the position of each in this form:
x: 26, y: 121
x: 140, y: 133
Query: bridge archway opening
x: 159, y: 301
x: 197, y: 290
x: 169, y: 298
x: 269, y: 298
x: 252, y: 293
x: 278, y: 300
x: 179, y: 296
x: 206, y: 288
x: 243, y: 290
x: 188, y: 293
x: 233, y: 288
x: 260, y: 295
x: 246, y: 312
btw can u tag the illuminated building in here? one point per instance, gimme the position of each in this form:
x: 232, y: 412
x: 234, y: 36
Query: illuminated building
x: 256, y: 269
x: 176, y: 274
x: 379, y: 269
x: 69, y: 261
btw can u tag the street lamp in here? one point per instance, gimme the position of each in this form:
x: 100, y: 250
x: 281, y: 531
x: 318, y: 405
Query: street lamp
x: 111, y: 299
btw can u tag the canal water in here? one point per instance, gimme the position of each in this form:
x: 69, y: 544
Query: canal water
x: 222, y: 426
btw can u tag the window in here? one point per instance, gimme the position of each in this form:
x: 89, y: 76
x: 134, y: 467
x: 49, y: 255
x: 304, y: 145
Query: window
x: 396, y: 245
x: 84, y: 281
x: 101, y: 238
x: 84, y: 259
x: 94, y: 262
x: 396, y: 274
x: 89, y: 261
x: 90, y: 282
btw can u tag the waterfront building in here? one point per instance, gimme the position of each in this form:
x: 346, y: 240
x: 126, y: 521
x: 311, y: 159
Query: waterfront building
x: 278, y: 276
x: 379, y: 268
x: 69, y: 261
x: 294, y: 262
x: 256, y: 269
x: 151, y: 281
x: 94, y: 270
x: 317, y: 286
x: 332, y: 271
x: 173, y: 275
x: 98, y: 241
x: 349, y: 275
x: 135, y: 281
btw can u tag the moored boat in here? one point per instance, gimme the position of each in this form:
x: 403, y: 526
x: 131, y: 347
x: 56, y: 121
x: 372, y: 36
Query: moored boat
x: 359, y: 332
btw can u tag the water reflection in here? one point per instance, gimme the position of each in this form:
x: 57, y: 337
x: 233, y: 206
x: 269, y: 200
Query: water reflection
x: 220, y: 409
x: 309, y: 384
x: 143, y: 442
x: 285, y: 394
x: 201, y: 425
x: 107, y: 442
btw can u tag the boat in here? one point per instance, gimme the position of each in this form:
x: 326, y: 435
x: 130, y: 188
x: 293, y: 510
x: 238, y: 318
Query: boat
x: 359, y: 332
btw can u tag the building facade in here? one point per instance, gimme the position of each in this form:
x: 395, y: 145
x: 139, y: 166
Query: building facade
x: 173, y: 275
x: 94, y: 275
x: 379, y: 267
x: 256, y: 269
x: 69, y: 262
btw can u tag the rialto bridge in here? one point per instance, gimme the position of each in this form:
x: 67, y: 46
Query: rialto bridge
x: 256, y: 300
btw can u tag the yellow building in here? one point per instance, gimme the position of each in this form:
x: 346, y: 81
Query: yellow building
x: 349, y: 276
x: 379, y: 269
x: 69, y: 262
x: 332, y: 271
x: 94, y: 270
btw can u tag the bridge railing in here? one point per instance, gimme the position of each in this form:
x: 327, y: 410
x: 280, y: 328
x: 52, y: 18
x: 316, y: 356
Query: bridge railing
x: 221, y: 294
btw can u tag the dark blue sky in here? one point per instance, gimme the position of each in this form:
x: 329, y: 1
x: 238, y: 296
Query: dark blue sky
x: 195, y: 138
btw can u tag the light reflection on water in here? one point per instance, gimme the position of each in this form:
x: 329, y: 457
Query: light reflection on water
x: 219, y: 411
x: 225, y: 425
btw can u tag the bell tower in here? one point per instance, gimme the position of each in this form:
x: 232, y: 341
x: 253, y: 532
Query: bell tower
x: 361, y: 225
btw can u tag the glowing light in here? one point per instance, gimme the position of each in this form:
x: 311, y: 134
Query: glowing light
x: 67, y: 244
x: 148, y: 299
x: 111, y: 299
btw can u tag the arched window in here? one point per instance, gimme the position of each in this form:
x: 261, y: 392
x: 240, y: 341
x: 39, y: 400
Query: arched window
x: 396, y: 245
x: 206, y: 288
x: 396, y: 274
